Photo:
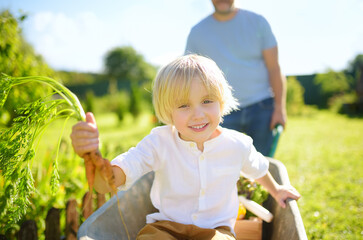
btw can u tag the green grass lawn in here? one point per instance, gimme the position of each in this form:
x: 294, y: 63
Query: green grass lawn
x: 323, y: 154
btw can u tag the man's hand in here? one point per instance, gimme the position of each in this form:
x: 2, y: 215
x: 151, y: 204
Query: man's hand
x: 278, y: 117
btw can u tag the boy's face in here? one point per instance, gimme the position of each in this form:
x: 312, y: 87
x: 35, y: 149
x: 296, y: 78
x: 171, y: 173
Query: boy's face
x: 197, y: 119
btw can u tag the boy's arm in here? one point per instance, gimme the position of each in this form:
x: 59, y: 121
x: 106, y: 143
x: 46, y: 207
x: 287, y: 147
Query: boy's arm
x: 102, y: 186
x: 279, y: 192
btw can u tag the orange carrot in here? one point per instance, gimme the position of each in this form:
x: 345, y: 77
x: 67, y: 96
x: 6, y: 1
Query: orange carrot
x: 105, y: 169
x: 93, y: 161
x: 90, y: 170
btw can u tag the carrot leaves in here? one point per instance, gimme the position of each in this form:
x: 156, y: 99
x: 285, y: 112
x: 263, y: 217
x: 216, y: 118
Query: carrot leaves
x: 18, y: 142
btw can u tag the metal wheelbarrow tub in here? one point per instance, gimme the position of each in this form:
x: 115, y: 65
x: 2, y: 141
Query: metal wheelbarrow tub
x: 106, y: 223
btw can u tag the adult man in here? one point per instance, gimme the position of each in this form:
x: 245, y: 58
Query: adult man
x: 243, y: 45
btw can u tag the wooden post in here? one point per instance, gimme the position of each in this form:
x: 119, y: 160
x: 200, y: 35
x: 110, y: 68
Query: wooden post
x: 52, y: 227
x: 28, y: 231
x: 87, y: 205
x: 72, y: 220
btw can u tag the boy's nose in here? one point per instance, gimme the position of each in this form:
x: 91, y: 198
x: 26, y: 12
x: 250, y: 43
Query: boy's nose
x: 198, y: 112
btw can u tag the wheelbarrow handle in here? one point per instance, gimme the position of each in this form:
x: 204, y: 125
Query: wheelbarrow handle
x: 276, y: 132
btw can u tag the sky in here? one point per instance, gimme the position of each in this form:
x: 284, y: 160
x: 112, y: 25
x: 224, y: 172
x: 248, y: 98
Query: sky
x: 75, y: 35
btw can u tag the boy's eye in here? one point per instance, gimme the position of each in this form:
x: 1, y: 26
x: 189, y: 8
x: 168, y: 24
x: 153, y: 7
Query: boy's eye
x: 183, y: 106
x: 207, y: 101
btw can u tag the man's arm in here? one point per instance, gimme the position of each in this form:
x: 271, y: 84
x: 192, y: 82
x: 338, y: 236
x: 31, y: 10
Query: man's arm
x: 278, y: 85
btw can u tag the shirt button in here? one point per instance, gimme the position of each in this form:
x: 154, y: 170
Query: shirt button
x: 194, y: 217
x: 201, y: 158
x: 191, y: 144
x: 202, y: 192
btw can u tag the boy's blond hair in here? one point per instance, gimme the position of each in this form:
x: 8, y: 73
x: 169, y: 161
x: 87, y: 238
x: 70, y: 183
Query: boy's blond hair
x: 172, y: 85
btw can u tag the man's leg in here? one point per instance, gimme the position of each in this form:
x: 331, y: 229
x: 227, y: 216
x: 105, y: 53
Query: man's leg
x: 258, y: 117
x: 234, y: 121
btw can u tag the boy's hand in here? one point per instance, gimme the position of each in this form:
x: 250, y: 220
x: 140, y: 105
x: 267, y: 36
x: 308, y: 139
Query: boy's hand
x: 285, y: 192
x: 85, y: 137
x: 279, y: 192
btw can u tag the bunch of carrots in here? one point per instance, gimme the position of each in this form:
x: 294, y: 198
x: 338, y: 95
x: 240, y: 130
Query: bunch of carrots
x: 94, y: 161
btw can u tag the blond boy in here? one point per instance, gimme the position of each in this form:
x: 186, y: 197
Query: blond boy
x: 196, y: 162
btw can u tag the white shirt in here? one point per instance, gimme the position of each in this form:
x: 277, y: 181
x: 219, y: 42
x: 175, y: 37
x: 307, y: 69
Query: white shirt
x: 190, y: 186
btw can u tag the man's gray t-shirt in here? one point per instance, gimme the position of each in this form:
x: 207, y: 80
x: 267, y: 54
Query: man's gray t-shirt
x: 236, y: 46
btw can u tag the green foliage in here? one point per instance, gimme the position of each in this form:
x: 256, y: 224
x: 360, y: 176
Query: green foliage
x: 136, y: 101
x: 251, y: 190
x: 19, y: 142
x: 123, y: 107
x: 331, y: 84
x: 294, y: 97
x: 89, y: 102
x: 126, y: 64
x: 339, y: 103
x: 17, y: 58
x: 331, y: 89
x: 117, y: 103
x: 355, y: 69
x: 78, y: 78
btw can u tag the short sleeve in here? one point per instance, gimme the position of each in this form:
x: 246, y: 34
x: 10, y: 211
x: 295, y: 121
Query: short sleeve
x: 255, y: 165
x: 138, y: 160
x: 268, y: 38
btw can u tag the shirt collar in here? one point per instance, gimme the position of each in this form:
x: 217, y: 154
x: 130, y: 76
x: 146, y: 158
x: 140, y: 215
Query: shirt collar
x: 193, y: 146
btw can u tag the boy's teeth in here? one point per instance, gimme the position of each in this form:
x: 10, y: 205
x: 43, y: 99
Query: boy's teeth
x: 199, y: 127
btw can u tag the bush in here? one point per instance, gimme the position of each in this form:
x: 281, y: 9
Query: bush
x: 331, y: 84
x: 294, y: 97
x: 117, y: 103
x: 343, y: 103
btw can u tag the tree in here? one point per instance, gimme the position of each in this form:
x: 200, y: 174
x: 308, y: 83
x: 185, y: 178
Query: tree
x: 124, y: 63
x: 17, y: 58
x: 355, y: 69
x: 331, y: 84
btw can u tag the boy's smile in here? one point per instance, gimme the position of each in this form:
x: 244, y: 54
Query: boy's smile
x: 197, y: 119
x: 199, y: 127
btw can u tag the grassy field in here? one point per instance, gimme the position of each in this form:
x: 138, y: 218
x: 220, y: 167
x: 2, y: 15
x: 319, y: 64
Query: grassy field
x: 323, y: 154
